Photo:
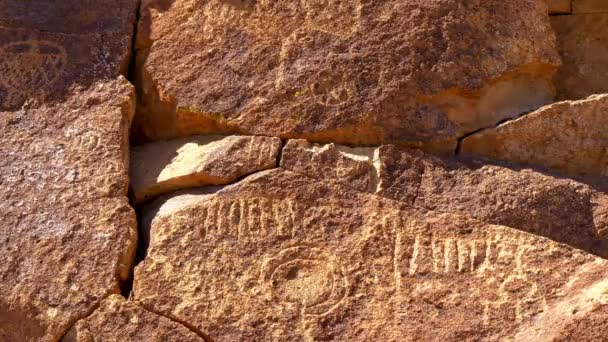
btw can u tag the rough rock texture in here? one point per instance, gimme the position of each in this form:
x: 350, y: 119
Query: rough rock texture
x: 583, y: 45
x: 559, y: 6
x: 589, y: 6
x: 70, y: 16
x: 118, y: 320
x: 590, y: 328
x: 67, y: 232
x: 567, y: 136
x: 48, y: 48
x: 419, y: 72
x: 266, y: 260
x: 510, y: 195
x: 166, y: 166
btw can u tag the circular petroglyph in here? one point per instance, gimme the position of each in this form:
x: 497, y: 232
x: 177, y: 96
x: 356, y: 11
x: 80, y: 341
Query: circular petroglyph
x: 305, y: 276
x: 28, y: 69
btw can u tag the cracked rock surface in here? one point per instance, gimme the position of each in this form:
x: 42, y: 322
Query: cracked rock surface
x: 354, y: 266
x: 419, y: 72
x: 166, y: 166
x: 120, y: 320
x: 312, y: 170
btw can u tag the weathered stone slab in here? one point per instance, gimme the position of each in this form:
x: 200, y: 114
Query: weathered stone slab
x: 589, y: 6
x: 559, y: 6
x: 567, y: 136
x: 583, y: 45
x: 41, y: 66
x: 541, y: 203
x: 67, y: 232
x: 70, y: 16
x: 412, y: 72
x: 121, y: 320
x: 166, y: 166
x: 277, y: 257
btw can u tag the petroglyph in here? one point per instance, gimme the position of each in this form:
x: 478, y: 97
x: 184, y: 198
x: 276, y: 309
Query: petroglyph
x: 29, y: 69
x: 254, y: 218
x: 306, y: 276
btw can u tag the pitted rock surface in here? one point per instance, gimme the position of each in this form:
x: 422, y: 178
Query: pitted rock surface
x: 166, y: 166
x: 119, y: 320
x: 67, y: 232
x: 539, y: 202
x: 354, y: 266
x: 583, y: 44
x: 565, y: 136
x: 418, y: 72
x: 48, y: 48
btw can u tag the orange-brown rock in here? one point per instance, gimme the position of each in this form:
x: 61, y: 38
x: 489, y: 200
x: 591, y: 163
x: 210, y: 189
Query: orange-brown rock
x: 70, y: 16
x: 50, y: 48
x: 67, y: 232
x: 559, y: 6
x: 166, y: 166
x: 566, y: 136
x: 119, y: 320
x: 418, y: 72
x: 278, y: 257
x: 583, y: 45
x: 538, y: 202
x: 589, y: 6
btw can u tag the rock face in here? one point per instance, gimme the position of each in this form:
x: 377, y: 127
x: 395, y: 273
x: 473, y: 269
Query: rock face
x: 120, y: 320
x: 48, y: 49
x: 561, y: 209
x: 67, y: 233
x: 166, y: 166
x: 353, y: 266
x: 589, y: 6
x: 559, y: 6
x: 583, y: 45
x: 566, y: 136
x: 418, y: 72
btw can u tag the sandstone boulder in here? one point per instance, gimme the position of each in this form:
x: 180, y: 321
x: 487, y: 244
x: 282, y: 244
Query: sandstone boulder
x: 70, y: 16
x: 166, y: 166
x: 67, y: 232
x: 583, y: 45
x: 119, y: 320
x: 417, y: 72
x: 589, y: 6
x: 278, y: 257
x: 566, y: 136
x: 538, y: 202
x: 559, y: 6
x: 50, y: 48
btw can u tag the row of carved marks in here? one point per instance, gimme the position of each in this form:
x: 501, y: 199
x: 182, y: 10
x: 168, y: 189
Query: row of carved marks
x: 29, y: 69
x: 497, y: 264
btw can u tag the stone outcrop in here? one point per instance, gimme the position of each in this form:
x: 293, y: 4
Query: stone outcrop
x: 559, y: 6
x: 119, y: 320
x: 166, y: 166
x: 589, y: 6
x: 422, y: 73
x: 583, y: 45
x: 353, y: 266
x: 510, y: 195
x: 47, y: 49
x: 567, y: 136
x: 67, y: 233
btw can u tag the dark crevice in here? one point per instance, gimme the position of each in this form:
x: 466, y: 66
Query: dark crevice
x: 280, y: 154
x: 127, y: 285
x: 499, y: 123
x: 187, y: 325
